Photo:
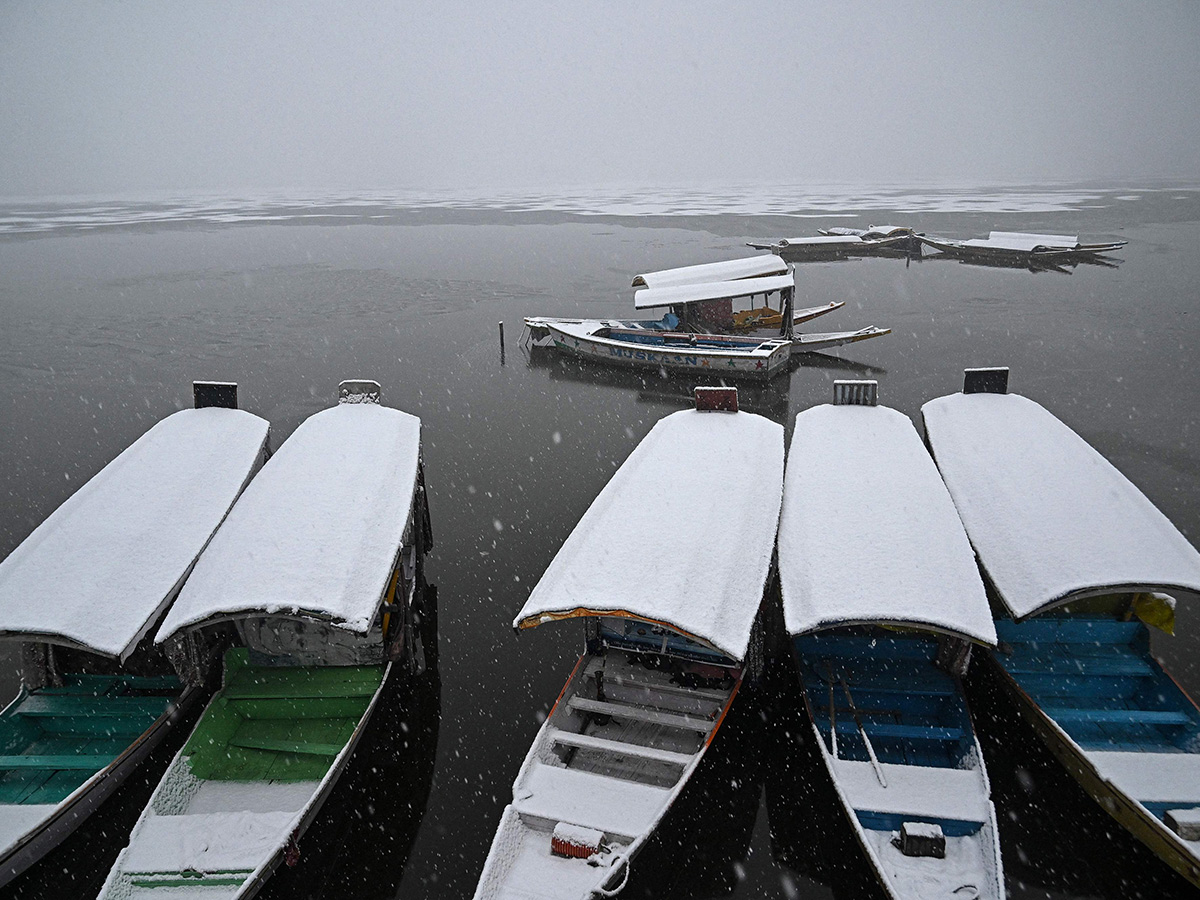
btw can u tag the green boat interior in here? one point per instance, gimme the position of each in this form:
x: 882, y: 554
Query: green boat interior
x: 279, y: 723
x: 53, y: 739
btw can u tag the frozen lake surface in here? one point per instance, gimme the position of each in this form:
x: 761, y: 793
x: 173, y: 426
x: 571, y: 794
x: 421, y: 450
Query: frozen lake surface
x: 109, y: 310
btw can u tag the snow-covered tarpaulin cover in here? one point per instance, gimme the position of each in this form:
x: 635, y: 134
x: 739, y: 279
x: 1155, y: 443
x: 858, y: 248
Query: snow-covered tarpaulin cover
x: 1025, y: 243
x: 648, y: 298
x: 99, y: 571
x: 317, y: 532
x: 868, y: 533
x: 1049, y: 516
x: 726, y: 270
x: 683, y: 534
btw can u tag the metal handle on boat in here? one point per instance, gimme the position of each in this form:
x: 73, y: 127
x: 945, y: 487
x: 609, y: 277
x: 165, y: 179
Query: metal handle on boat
x: 622, y: 860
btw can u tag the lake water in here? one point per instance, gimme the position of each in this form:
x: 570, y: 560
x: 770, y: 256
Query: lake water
x: 109, y: 310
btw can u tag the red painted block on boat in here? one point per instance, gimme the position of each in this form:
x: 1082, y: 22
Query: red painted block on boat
x: 720, y: 399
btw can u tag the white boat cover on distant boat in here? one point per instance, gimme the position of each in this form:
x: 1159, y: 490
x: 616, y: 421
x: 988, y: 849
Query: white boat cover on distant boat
x: 824, y: 241
x: 683, y: 534
x: 868, y: 533
x: 726, y: 270
x: 648, y: 298
x: 316, y: 532
x: 1049, y: 516
x: 1023, y: 243
x: 97, y: 573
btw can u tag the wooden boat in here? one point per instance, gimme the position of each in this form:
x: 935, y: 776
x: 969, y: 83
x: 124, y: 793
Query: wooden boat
x: 1083, y: 562
x: 316, y: 574
x: 704, y: 332
x: 883, y: 602
x: 81, y: 593
x: 672, y: 629
x: 1010, y: 244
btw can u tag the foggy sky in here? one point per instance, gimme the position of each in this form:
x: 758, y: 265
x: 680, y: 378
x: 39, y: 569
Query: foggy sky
x: 122, y: 97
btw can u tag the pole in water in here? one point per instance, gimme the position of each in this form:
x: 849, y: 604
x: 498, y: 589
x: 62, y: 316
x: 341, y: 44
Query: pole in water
x: 501, y: 343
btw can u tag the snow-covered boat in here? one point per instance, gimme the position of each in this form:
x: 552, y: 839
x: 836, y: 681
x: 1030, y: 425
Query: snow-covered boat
x: 1084, y: 563
x: 672, y: 629
x: 711, y: 327
x: 832, y: 243
x: 883, y: 601
x: 82, y: 592
x: 316, y: 576
x: 1010, y: 244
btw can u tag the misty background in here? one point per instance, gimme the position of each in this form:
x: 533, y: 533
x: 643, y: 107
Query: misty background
x: 127, y: 98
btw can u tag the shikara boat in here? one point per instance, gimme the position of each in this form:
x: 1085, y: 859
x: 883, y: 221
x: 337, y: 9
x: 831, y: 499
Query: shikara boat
x: 82, y: 592
x: 840, y: 242
x: 316, y: 578
x: 711, y: 327
x: 1013, y: 244
x: 883, y: 602
x: 1084, y: 563
x: 672, y: 629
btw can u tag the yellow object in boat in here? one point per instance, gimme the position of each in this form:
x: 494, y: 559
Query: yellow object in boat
x: 764, y: 317
x: 1157, y: 610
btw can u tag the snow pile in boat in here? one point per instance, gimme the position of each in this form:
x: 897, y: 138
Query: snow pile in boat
x: 316, y: 532
x: 99, y: 570
x: 1048, y: 515
x: 868, y: 532
x: 682, y: 534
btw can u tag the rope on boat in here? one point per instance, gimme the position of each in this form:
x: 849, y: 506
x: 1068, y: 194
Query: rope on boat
x: 621, y: 860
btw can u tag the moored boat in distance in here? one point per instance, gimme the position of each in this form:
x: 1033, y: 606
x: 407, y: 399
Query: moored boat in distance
x: 672, y: 628
x: 711, y: 327
x: 81, y: 593
x: 1084, y: 564
x: 883, y: 602
x: 316, y: 576
x: 1015, y: 244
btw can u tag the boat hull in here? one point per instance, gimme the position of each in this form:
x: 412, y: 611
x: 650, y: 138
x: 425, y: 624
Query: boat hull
x: 565, y: 783
x: 900, y: 784
x: 68, y: 815
x: 245, y: 827
x: 1132, y: 815
x: 751, y: 363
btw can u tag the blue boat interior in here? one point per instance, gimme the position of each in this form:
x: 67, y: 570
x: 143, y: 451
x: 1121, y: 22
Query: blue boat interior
x: 913, y: 712
x: 54, y: 739
x: 643, y: 637
x: 1096, y: 677
x: 683, y: 341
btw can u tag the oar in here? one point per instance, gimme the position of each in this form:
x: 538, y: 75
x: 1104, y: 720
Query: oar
x: 861, y: 730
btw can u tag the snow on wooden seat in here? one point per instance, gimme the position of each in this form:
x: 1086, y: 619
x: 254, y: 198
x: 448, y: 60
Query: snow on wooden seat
x: 922, y: 791
x: 1151, y: 777
x: 214, y: 842
x: 589, y: 742
x: 653, y: 716
x: 611, y: 805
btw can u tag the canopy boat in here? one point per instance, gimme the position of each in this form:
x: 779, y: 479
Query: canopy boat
x: 704, y: 330
x: 833, y: 243
x: 883, y: 602
x: 316, y: 576
x: 1009, y: 244
x: 1082, y: 561
x: 82, y: 592
x: 670, y: 636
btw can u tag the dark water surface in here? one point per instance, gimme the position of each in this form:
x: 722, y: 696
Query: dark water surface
x: 106, y: 318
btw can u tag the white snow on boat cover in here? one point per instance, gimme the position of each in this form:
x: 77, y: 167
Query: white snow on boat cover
x: 868, y: 532
x: 1049, y: 516
x: 726, y: 270
x: 1025, y: 243
x: 683, y: 533
x: 647, y: 298
x: 317, y: 532
x: 825, y: 240
x: 99, y: 571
